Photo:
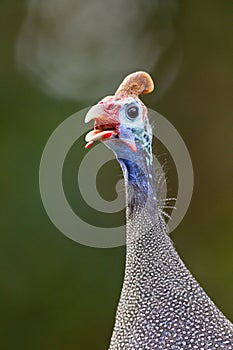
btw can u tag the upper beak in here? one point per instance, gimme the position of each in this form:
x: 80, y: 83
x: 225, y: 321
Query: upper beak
x: 95, y: 112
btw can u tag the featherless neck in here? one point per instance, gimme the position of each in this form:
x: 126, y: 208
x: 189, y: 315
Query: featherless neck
x: 138, y: 170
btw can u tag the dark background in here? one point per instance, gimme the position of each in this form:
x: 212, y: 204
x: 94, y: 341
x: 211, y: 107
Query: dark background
x: 57, y: 294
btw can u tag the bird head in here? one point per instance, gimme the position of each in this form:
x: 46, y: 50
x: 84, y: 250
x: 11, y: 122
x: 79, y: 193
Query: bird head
x: 121, y: 121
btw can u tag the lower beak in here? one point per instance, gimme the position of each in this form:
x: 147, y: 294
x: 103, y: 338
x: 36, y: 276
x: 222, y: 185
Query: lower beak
x: 98, y: 135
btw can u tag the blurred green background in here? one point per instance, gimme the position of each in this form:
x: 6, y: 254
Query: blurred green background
x: 55, y: 293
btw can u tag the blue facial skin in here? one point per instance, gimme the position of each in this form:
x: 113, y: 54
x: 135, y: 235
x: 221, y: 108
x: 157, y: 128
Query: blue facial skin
x: 126, y: 133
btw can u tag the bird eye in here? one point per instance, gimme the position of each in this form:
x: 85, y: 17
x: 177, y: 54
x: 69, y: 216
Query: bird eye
x: 132, y: 112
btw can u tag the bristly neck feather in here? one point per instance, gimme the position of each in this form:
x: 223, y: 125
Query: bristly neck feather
x: 142, y: 201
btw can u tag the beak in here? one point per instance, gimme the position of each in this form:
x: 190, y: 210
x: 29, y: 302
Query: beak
x: 107, y: 127
x: 104, y: 128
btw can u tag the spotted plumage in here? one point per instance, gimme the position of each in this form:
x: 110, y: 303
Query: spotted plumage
x: 161, y: 305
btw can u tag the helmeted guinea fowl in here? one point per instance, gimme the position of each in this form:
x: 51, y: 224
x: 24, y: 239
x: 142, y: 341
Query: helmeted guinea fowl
x: 161, y: 305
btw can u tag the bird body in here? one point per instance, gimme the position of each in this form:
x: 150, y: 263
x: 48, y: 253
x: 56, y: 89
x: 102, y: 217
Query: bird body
x: 161, y: 305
